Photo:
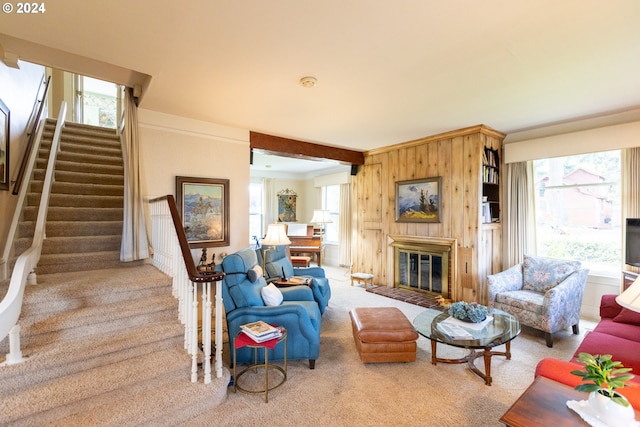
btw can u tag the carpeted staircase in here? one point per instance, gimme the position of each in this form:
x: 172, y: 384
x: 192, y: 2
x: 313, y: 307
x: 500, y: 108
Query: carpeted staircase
x: 84, y: 220
x: 104, y: 348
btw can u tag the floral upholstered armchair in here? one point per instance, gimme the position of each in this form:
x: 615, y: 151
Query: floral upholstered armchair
x: 542, y: 293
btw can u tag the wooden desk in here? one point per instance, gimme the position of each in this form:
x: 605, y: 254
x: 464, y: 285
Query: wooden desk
x: 544, y: 404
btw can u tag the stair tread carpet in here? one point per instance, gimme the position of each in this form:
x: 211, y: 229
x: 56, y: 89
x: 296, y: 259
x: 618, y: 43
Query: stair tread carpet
x: 109, y: 351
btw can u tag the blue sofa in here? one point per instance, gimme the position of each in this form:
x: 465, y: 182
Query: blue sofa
x: 277, y: 261
x: 243, y: 303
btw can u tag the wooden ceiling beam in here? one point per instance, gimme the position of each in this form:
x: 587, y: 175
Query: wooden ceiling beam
x: 300, y: 149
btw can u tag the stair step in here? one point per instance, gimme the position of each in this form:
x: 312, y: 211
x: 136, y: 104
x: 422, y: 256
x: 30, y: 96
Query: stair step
x: 115, y: 408
x: 93, y: 158
x: 78, y: 145
x: 81, y: 244
x: 60, y: 263
x: 88, y: 321
x: 87, y: 384
x: 72, y: 228
x: 77, y: 200
x: 79, y: 188
x: 62, y: 165
x: 82, y: 178
x: 83, y: 354
x: 75, y: 214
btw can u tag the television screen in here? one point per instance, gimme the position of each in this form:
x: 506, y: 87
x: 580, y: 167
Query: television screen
x: 632, y: 253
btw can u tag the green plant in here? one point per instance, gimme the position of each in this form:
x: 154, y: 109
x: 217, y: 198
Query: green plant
x: 606, y: 375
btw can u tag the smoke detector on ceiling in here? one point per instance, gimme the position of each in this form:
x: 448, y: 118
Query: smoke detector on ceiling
x: 308, y: 81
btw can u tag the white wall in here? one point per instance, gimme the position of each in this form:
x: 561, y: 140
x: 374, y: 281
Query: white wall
x: 18, y: 90
x: 173, y: 146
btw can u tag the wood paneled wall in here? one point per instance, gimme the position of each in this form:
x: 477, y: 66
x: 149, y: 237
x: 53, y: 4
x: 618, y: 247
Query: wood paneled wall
x: 457, y: 158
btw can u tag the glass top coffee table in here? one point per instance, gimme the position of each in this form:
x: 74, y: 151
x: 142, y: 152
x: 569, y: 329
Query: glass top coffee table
x: 481, y: 338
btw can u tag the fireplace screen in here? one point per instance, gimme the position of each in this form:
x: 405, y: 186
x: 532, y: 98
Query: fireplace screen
x: 422, y: 270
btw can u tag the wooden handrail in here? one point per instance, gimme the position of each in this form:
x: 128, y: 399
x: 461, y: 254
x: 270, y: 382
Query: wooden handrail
x: 190, y: 265
x: 32, y: 137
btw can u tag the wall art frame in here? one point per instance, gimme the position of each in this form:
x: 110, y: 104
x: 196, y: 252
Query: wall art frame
x: 5, y: 122
x: 203, y: 204
x: 419, y: 200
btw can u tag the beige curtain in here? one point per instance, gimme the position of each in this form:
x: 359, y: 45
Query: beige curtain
x: 344, y: 227
x: 520, y: 236
x: 270, y: 203
x: 631, y: 187
x: 135, y: 244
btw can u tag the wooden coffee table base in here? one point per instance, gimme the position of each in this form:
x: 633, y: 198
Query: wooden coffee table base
x: 469, y: 359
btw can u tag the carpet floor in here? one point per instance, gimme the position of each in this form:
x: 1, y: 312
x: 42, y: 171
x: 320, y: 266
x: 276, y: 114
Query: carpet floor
x: 342, y: 391
x: 147, y: 384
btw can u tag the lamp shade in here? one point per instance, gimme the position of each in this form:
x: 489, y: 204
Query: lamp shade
x: 630, y: 298
x: 276, y: 235
x: 321, y: 216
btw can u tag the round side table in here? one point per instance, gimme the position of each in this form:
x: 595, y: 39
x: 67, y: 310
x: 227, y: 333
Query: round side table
x: 242, y: 340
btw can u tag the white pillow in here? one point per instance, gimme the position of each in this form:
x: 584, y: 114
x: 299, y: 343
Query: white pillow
x: 271, y: 295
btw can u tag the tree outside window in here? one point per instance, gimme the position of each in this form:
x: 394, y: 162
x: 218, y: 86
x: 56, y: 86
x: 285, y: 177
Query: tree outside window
x: 578, y: 213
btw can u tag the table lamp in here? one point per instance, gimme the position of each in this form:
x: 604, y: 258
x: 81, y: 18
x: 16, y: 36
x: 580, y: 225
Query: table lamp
x: 276, y: 235
x: 630, y: 298
x: 322, y: 217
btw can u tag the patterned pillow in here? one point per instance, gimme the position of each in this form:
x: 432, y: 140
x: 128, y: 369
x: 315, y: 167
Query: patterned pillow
x: 541, y: 274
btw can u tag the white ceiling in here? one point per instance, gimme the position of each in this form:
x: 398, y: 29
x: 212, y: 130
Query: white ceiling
x: 388, y: 71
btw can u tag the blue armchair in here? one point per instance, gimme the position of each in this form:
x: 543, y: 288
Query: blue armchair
x: 243, y: 303
x: 542, y: 293
x: 277, y: 261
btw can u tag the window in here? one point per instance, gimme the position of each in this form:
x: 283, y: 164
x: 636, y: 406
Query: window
x: 255, y: 211
x: 331, y: 202
x: 578, y: 210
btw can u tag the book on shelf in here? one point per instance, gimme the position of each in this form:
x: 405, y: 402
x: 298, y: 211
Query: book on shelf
x: 260, y: 331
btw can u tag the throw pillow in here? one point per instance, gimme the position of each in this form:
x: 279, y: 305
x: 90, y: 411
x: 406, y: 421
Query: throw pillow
x: 628, y: 316
x: 541, y: 274
x: 271, y: 295
x: 254, y: 273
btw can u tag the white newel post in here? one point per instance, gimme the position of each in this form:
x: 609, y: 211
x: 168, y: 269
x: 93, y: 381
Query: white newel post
x: 15, y: 354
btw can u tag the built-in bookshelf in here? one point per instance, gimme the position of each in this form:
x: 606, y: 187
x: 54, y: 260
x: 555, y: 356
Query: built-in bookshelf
x: 490, y: 185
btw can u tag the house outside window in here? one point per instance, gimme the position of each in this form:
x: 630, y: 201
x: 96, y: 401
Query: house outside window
x: 255, y: 211
x: 331, y: 202
x: 578, y: 212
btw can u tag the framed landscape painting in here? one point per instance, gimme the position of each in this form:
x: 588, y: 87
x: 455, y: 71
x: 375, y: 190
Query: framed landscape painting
x: 418, y: 200
x: 203, y: 204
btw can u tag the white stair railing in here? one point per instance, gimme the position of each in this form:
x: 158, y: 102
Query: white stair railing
x: 24, y: 269
x: 172, y: 256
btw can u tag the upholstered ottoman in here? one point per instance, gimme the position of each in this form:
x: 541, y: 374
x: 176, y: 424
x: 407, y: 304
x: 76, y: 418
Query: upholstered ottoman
x: 383, y: 334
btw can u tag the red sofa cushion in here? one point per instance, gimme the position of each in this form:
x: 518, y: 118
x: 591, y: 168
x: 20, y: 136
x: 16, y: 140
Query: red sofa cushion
x: 628, y: 316
x: 560, y: 370
x: 620, y: 330
x: 623, y: 350
x: 609, y: 308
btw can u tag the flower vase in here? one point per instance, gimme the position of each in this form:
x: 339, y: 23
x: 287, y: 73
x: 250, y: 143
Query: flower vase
x: 608, y: 411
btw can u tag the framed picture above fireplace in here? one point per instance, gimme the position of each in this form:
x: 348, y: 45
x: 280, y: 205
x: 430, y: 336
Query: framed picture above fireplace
x: 418, y: 200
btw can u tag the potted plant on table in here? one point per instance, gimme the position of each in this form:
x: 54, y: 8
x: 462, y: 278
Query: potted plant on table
x: 605, y: 377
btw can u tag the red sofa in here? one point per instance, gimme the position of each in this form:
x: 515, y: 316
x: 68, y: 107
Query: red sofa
x: 618, y: 334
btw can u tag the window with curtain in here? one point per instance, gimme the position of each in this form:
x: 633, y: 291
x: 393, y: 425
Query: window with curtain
x: 331, y: 202
x: 255, y: 211
x: 578, y: 210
